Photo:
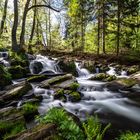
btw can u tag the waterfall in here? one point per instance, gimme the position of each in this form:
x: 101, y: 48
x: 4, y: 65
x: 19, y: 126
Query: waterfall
x: 111, y: 71
x: 42, y: 64
x: 82, y: 72
x: 3, y: 59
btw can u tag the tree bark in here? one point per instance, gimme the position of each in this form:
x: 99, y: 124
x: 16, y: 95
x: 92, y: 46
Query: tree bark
x: 118, y: 27
x: 103, y: 35
x: 4, y: 17
x: 15, y: 25
x: 22, y: 39
x: 33, y: 30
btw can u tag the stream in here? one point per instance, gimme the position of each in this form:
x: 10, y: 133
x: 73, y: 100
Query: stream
x: 97, y: 100
x: 110, y: 107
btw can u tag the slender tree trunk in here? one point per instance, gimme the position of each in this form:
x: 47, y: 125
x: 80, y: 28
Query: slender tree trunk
x: 103, y: 35
x: 33, y: 30
x: 15, y: 25
x: 22, y: 39
x: 118, y: 27
x: 4, y: 17
x: 82, y: 27
x: 50, y: 36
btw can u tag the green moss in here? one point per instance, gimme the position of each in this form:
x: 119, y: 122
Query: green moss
x: 5, y: 77
x: 74, y: 96
x: 129, y: 136
x: 127, y: 82
x: 60, y: 94
x: 37, y: 78
x: 74, y: 86
x: 132, y: 69
x: 100, y: 76
x: 17, y: 72
x: 30, y: 109
x: 11, y: 128
x: 111, y: 78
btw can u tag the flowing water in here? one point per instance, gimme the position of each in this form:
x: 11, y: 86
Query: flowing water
x: 3, y: 59
x: 47, y: 64
x: 109, y: 106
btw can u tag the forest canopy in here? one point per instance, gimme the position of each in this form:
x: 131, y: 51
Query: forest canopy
x: 95, y: 26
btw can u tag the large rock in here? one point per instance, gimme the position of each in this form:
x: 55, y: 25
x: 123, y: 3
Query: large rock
x: 68, y: 66
x: 121, y: 84
x: 5, y: 77
x: 16, y: 92
x: 55, y: 80
x: 36, y: 67
x: 41, y: 132
x: 17, y: 72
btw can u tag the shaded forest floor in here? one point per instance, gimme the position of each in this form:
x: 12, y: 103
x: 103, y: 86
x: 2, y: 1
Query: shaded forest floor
x: 126, y: 58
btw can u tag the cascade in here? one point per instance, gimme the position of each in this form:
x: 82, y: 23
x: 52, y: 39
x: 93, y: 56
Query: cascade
x: 42, y: 64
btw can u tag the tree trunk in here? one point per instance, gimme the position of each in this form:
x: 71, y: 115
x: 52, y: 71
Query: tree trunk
x: 50, y: 36
x: 103, y: 35
x: 22, y: 39
x: 33, y: 30
x: 4, y: 17
x: 15, y: 25
x: 118, y: 27
x: 82, y: 28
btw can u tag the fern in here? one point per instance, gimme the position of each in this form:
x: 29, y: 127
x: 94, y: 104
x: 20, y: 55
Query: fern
x: 67, y: 128
x: 93, y: 129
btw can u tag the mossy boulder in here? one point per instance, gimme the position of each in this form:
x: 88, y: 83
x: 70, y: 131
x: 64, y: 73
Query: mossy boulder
x: 132, y: 69
x: 23, y: 63
x: 74, y: 96
x: 103, y: 77
x: 11, y: 122
x: 55, y: 80
x: 63, y: 95
x: 74, y: 86
x: 60, y: 94
x: 17, y: 92
x: 37, y: 78
x: 5, y: 77
x: 110, y: 78
x: 89, y: 65
x: 40, y: 132
x: 30, y: 110
x: 121, y: 84
x: 68, y: 66
x: 17, y: 72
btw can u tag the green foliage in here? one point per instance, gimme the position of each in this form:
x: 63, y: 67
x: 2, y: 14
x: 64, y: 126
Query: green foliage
x: 67, y: 128
x: 5, y: 77
x: 9, y: 129
x: 17, y: 72
x: 93, y: 129
x: 29, y: 109
x: 129, y: 136
x: 74, y: 86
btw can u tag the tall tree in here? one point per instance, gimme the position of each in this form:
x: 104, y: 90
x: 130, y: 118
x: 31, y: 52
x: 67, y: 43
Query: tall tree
x: 4, y: 17
x: 15, y: 46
